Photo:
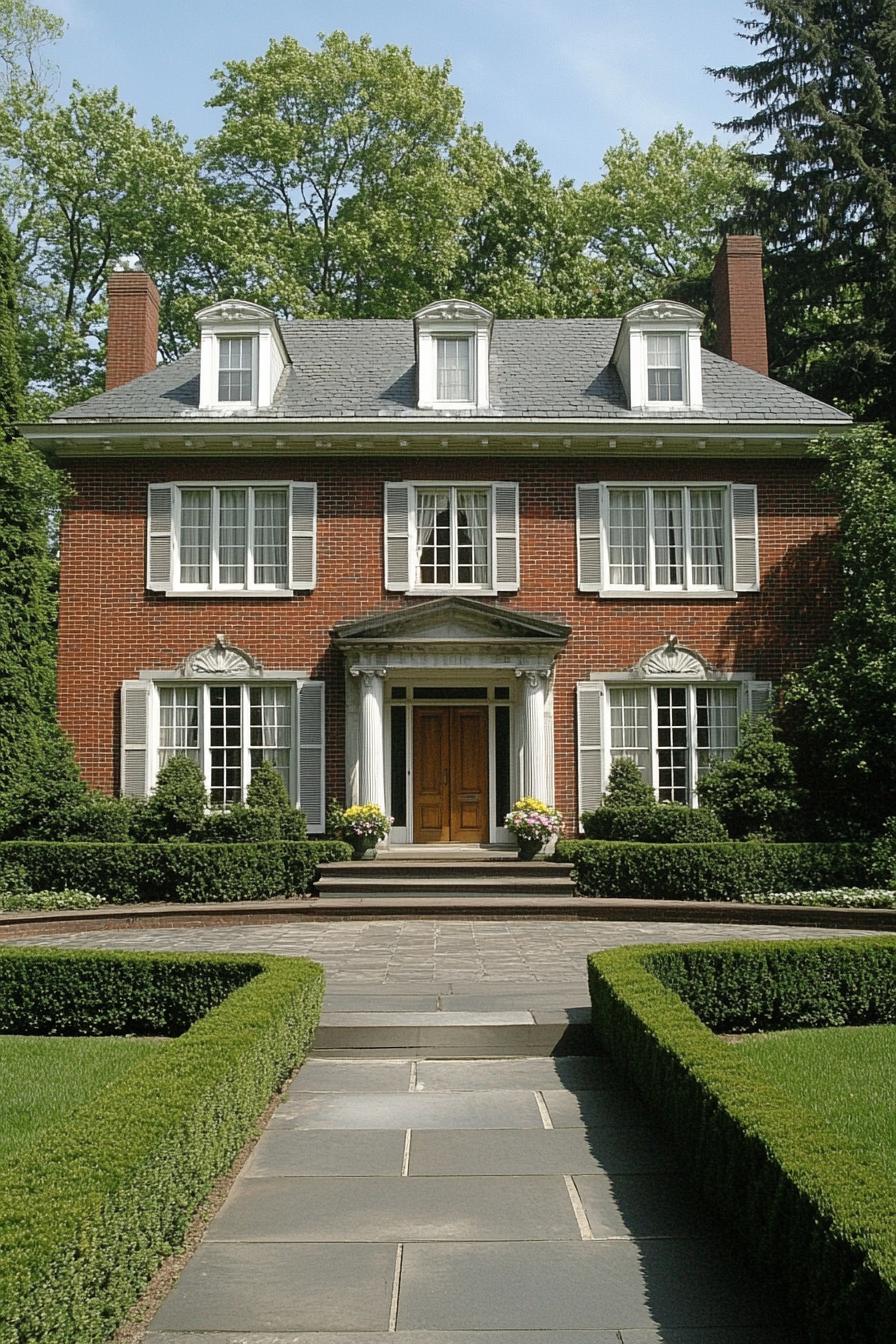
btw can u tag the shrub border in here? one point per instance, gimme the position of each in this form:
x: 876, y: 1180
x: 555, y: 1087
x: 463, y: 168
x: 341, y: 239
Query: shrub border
x: 90, y: 1209
x: 799, y: 1200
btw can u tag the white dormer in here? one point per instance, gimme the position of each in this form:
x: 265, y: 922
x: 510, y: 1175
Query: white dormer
x: 242, y: 356
x: 658, y: 356
x: 452, y: 355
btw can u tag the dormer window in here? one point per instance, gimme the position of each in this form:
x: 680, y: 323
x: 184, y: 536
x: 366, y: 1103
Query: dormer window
x: 665, y: 366
x: 235, y: 361
x: 658, y: 357
x: 242, y: 357
x: 452, y: 356
x: 454, y: 368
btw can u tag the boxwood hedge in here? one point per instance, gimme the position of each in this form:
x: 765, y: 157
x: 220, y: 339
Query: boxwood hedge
x: 659, y: 823
x: 711, y: 872
x: 88, y: 1212
x: 816, y: 1218
x: 174, y: 870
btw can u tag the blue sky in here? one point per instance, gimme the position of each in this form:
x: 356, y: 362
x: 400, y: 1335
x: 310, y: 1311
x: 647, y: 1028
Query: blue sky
x: 565, y: 75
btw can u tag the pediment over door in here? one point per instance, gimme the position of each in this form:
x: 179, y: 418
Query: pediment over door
x: 478, y: 631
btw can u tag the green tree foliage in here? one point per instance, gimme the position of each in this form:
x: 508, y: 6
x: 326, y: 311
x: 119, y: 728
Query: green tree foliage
x: 626, y: 786
x: 36, y: 763
x: 840, y: 711
x: 343, y: 157
x: 655, y: 217
x: 753, y: 792
x: 820, y: 109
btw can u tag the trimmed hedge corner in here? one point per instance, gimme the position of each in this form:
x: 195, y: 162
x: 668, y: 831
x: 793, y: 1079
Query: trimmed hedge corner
x: 815, y: 1216
x: 90, y: 1210
x: 711, y: 872
x: 126, y: 873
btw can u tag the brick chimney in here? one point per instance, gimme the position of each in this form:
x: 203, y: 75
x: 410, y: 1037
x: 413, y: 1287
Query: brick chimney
x: 133, y: 339
x: 738, y: 298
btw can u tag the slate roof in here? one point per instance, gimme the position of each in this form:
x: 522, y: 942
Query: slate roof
x: 540, y: 369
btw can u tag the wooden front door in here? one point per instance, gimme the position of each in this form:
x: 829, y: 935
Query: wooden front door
x: 450, y: 774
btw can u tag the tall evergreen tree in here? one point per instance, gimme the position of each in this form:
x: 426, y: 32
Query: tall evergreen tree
x: 31, y: 745
x: 822, y: 122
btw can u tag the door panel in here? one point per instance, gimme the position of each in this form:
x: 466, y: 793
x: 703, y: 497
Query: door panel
x: 469, y: 774
x: 432, y: 768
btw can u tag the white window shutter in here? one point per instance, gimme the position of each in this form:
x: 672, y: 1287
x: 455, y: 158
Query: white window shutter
x: 589, y: 719
x: 745, y: 538
x: 588, y: 536
x: 159, y: 531
x: 397, y: 535
x: 134, y: 781
x: 760, y: 697
x: 310, y: 695
x: 302, y: 534
x: 505, y: 500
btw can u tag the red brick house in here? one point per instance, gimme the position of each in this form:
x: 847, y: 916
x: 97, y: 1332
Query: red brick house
x: 435, y: 563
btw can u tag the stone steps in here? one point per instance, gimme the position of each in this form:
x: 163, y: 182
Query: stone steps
x: 454, y: 1035
x: 429, y: 877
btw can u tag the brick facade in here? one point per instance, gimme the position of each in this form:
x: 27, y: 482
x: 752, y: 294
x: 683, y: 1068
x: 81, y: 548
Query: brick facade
x: 110, y: 627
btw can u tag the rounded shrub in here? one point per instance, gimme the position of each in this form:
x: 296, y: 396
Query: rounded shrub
x: 177, y: 807
x: 754, y: 791
x: 626, y: 786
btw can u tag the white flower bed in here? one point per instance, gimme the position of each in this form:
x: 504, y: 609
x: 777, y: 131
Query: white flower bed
x: 865, y: 898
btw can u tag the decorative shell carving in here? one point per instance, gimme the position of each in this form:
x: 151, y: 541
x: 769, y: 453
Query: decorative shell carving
x: 671, y: 660
x: 220, y: 660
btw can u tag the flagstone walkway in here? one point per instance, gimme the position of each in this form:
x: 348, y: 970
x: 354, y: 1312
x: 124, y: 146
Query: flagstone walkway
x: 458, y: 1200
x: 474, y: 1201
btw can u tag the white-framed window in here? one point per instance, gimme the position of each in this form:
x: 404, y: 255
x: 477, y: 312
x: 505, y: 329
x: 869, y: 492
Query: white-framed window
x: 455, y: 370
x: 699, y: 539
x: 237, y: 364
x: 457, y: 537
x: 231, y: 537
x: 228, y: 729
x: 672, y: 733
x: 664, y: 353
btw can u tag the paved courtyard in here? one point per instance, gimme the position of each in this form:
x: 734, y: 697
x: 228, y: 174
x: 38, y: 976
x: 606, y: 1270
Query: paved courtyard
x: 432, y: 961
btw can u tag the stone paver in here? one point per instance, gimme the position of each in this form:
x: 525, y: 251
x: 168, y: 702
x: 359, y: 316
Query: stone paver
x: 487, y: 1226
x: 464, y: 965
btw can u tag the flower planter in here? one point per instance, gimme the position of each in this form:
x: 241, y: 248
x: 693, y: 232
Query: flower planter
x: 527, y: 849
x: 363, y: 850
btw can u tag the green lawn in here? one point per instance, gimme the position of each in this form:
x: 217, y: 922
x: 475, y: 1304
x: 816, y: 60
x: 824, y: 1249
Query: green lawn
x: 847, y: 1075
x: 45, y: 1077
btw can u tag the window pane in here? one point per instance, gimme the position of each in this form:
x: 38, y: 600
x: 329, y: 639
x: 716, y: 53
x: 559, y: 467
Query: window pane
x: 707, y: 538
x: 664, y: 366
x: 433, y: 537
x: 232, y: 536
x: 630, y: 726
x: 453, y: 368
x: 716, y: 724
x: 271, y: 538
x: 195, y: 535
x: 668, y: 537
x: 178, y: 723
x: 672, y: 740
x: 270, y: 728
x: 225, y: 744
x: 472, y: 536
x: 235, y: 368
x: 627, y: 541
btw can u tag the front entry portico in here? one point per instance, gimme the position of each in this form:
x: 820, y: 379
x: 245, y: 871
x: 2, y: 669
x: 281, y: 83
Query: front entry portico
x: 449, y: 716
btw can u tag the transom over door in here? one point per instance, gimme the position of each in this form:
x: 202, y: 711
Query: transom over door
x: 450, y: 774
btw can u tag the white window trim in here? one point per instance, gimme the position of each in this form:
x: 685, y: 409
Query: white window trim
x: 630, y: 353
x: 624, y: 680
x: 440, y: 589
x: 214, y: 588
x: 685, y: 399
x: 685, y: 589
x: 203, y: 687
x: 458, y: 318
x: 252, y: 402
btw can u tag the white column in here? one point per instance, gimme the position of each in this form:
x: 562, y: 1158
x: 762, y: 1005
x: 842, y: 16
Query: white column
x: 372, y: 772
x: 535, y: 756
